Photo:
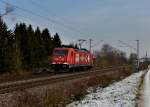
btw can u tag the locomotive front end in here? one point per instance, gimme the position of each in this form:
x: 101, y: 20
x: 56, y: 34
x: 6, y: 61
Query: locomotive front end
x: 59, y: 59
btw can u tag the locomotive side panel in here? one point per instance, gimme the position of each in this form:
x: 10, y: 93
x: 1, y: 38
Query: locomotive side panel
x: 83, y: 58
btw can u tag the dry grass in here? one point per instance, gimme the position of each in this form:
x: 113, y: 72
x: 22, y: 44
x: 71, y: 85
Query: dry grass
x: 11, y: 76
x: 26, y: 99
x: 68, y: 91
x: 63, y: 94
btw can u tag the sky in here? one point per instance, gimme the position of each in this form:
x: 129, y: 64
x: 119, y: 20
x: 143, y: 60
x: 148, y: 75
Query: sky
x: 107, y: 20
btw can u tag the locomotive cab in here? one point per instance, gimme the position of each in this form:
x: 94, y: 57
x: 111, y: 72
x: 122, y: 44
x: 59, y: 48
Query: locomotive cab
x: 61, y: 58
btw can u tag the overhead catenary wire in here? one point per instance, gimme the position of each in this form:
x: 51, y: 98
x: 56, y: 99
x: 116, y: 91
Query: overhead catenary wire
x: 43, y: 24
x: 136, y: 49
x: 127, y: 45
x: 44, y: 9
x: 55, y: 15
x: 7, y: 11
x: 46, y: 18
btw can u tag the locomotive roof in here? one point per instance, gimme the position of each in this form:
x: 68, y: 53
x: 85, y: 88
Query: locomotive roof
x: 83, y: 49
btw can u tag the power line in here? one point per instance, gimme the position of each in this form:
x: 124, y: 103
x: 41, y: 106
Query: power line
x: 55, y: 15
x: 90, y: 44
x: 137, y: 50
x: 28, y: 11
x: 127, y: 45
x: 43, y: 17
x: 44, y: 8
x: 8, y: 10
x: 98, y: 43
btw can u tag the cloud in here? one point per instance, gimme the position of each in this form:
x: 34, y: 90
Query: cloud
x: 107, y: 20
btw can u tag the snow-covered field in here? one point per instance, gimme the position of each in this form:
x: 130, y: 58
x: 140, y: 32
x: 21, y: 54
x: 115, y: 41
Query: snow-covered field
x: 119, y: 94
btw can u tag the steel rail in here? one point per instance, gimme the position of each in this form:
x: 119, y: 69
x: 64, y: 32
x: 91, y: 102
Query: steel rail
x: 21, y: 85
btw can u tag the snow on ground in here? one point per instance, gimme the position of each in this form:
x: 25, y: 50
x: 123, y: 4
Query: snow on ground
x: 147, y: 90
x: 119, y: 94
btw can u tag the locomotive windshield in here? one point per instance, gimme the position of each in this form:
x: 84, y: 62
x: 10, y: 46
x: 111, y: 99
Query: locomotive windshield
x: 60, y: 52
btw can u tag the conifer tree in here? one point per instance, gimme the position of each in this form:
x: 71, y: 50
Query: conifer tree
x: 47, y: 41
x: 25, y: 48
x: 22, y: 43
x: 56, y: 40
x: 6, y: 47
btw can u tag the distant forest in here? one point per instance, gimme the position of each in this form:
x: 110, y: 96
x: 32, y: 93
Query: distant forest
x: 25, y: 48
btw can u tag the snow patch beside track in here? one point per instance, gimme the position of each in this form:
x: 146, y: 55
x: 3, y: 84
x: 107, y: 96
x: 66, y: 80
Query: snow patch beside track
x: 119, y: 94
x: 146, y: 95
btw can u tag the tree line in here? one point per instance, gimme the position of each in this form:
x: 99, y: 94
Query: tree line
x: 28, y: 48
x: 25, y: 48
x: 110, y: 56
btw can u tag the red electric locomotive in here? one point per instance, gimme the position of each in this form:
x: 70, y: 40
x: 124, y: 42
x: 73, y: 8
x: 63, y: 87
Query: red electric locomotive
x: 70, y: 58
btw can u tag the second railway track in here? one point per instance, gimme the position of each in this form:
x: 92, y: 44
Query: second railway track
x: 24, y: 84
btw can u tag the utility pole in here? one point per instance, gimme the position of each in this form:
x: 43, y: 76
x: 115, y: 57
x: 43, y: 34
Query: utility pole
x: 138, y: 53
x: 137, y: 49
x: 90, y: 45
x: 146, y: 54
x: 81, y: 41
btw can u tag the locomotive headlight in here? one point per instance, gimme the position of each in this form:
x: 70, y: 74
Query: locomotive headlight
x: 65, y: 63
x: 54, y: 63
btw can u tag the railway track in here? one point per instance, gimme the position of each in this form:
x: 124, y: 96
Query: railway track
x: 24, y: 84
